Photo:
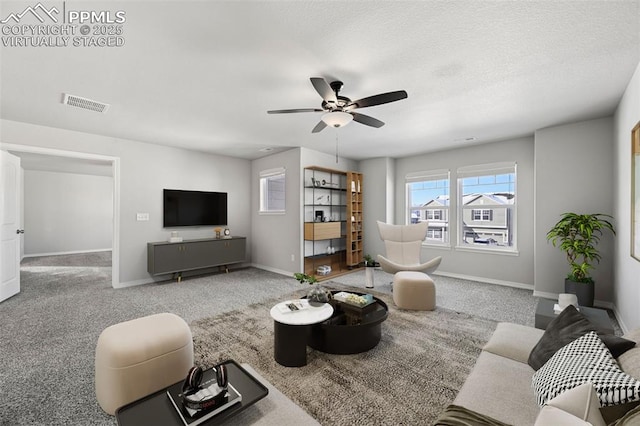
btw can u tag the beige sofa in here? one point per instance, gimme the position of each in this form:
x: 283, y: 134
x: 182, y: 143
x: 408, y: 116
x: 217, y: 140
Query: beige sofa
x: 499, y: 385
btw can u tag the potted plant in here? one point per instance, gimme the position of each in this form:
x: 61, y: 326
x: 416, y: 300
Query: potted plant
x: 304, y: 278
x: 577, y: 235
x: 318, y: 294
x: 369, y: 263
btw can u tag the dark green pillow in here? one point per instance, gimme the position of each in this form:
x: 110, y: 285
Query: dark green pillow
x: 564, y: 329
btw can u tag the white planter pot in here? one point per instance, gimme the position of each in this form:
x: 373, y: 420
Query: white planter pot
x: 368, y: 274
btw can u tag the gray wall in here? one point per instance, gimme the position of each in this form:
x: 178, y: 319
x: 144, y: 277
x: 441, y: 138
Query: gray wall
x: 490, y: 266
x: 145, y: 169
x: 275, y: 238
x: 574, y: 173
x: 626, y: 294
x: 378, y: 200
x: 67, y: 212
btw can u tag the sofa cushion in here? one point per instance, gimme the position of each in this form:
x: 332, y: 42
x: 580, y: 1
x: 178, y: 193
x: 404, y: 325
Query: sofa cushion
x: 630, y: 360
x: 554, y: 416
x: 582, y: 402
x: 513, y: 341
x: 630, y: 419
x: 567, y: 327
x: 585, y: 360
x: 500, y: 387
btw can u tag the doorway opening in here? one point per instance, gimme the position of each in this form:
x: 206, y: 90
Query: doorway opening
x: 85, y: 171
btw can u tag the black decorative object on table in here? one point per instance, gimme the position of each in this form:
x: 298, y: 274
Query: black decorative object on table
x: 157, y: 409
x: 203, y: 395
x: 318, y: 295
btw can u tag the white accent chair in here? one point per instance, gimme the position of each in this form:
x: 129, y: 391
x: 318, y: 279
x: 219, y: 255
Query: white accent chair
x: 403, y: 244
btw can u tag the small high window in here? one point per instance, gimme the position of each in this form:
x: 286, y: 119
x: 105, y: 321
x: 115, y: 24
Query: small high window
x: 272, y: 190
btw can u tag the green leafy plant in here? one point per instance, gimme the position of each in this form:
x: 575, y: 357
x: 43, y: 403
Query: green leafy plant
x: 577, y: 235
x: 304, y: 278
x: 368, y: 260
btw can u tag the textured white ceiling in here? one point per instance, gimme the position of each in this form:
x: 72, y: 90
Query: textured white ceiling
x: 201, y: 75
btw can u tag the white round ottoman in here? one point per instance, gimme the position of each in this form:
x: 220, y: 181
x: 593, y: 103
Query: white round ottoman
x: 138, y: 357
x: 414, y: 290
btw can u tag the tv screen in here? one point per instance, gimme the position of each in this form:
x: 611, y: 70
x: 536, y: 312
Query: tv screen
x: 194, y: 208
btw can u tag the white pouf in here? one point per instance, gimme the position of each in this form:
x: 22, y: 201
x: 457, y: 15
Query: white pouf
x: 138, y: 357
x: 414, y: 290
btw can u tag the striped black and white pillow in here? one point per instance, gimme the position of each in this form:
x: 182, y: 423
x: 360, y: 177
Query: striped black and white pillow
x: 586, y: 359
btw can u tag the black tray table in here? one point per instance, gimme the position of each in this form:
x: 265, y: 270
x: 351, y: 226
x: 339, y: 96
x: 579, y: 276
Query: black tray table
x: 157, y: 410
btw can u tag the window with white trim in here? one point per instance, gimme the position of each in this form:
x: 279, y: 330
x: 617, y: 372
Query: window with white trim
x: 272, y: 190
x: 487, y: 206
x: 481, y: 214
x: 428, y: 201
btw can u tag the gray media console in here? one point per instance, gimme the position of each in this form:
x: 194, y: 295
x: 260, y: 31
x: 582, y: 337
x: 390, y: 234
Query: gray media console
x: 166, y: 258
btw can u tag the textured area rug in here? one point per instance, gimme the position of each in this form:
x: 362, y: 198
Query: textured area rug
x: 409, y: 378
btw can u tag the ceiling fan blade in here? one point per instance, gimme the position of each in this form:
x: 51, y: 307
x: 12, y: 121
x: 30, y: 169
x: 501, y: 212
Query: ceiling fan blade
x: 366, y: 120
x: 383, y: 98
x: 323, y: 89
x: 319, y: 127
x: 289, y: 111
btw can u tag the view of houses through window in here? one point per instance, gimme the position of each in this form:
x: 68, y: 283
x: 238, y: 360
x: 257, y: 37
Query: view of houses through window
x: 272, y: 191
x: 428, y: 200
x: 486, y: 203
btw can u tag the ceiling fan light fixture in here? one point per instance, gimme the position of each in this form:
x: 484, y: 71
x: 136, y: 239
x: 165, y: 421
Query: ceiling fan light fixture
x: 337, y: 118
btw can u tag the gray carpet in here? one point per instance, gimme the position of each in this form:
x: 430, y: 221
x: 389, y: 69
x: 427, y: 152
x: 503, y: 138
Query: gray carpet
x: 409, y: 378
x: 50, y: 329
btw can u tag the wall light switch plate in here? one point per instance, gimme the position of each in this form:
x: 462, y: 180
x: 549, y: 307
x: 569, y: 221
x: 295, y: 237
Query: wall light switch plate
x: 142, y: 217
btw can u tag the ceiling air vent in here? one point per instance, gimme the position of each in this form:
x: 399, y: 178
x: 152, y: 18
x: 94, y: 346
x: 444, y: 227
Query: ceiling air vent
x: 84, y: 103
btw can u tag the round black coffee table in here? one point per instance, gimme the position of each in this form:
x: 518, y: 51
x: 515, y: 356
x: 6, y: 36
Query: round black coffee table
x: 349, y: 331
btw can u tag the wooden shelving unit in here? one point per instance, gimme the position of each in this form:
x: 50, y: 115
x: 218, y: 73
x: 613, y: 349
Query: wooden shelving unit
x: 333, y: 234
x: 325, y: 221
x: 355, y: 237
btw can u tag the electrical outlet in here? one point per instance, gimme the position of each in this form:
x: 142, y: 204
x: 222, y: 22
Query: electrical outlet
x: 142, y: 217
x: 293, y: 257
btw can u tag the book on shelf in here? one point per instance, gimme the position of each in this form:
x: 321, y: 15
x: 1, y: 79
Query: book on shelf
x: 195, y: 417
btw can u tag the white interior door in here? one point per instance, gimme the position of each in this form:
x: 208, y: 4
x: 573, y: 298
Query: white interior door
x: 9, y: 225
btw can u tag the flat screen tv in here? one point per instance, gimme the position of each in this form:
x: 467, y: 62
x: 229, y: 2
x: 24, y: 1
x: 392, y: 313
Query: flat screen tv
x: 194, y: 208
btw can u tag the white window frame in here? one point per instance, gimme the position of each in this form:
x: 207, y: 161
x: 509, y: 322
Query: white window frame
x: 492, y: 169
x: 267, y: 200
x: 443, y: 211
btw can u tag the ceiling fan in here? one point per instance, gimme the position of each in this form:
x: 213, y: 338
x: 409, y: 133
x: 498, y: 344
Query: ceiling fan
x: 339, y: 109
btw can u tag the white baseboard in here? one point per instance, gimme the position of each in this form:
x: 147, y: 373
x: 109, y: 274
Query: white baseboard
x: 596, y: 303
x: 62, y: 253
x: 274, y: 270
x: 545, y: 295
x: 623, y: 326
x: 134, y: 283
x: 485, y: 280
